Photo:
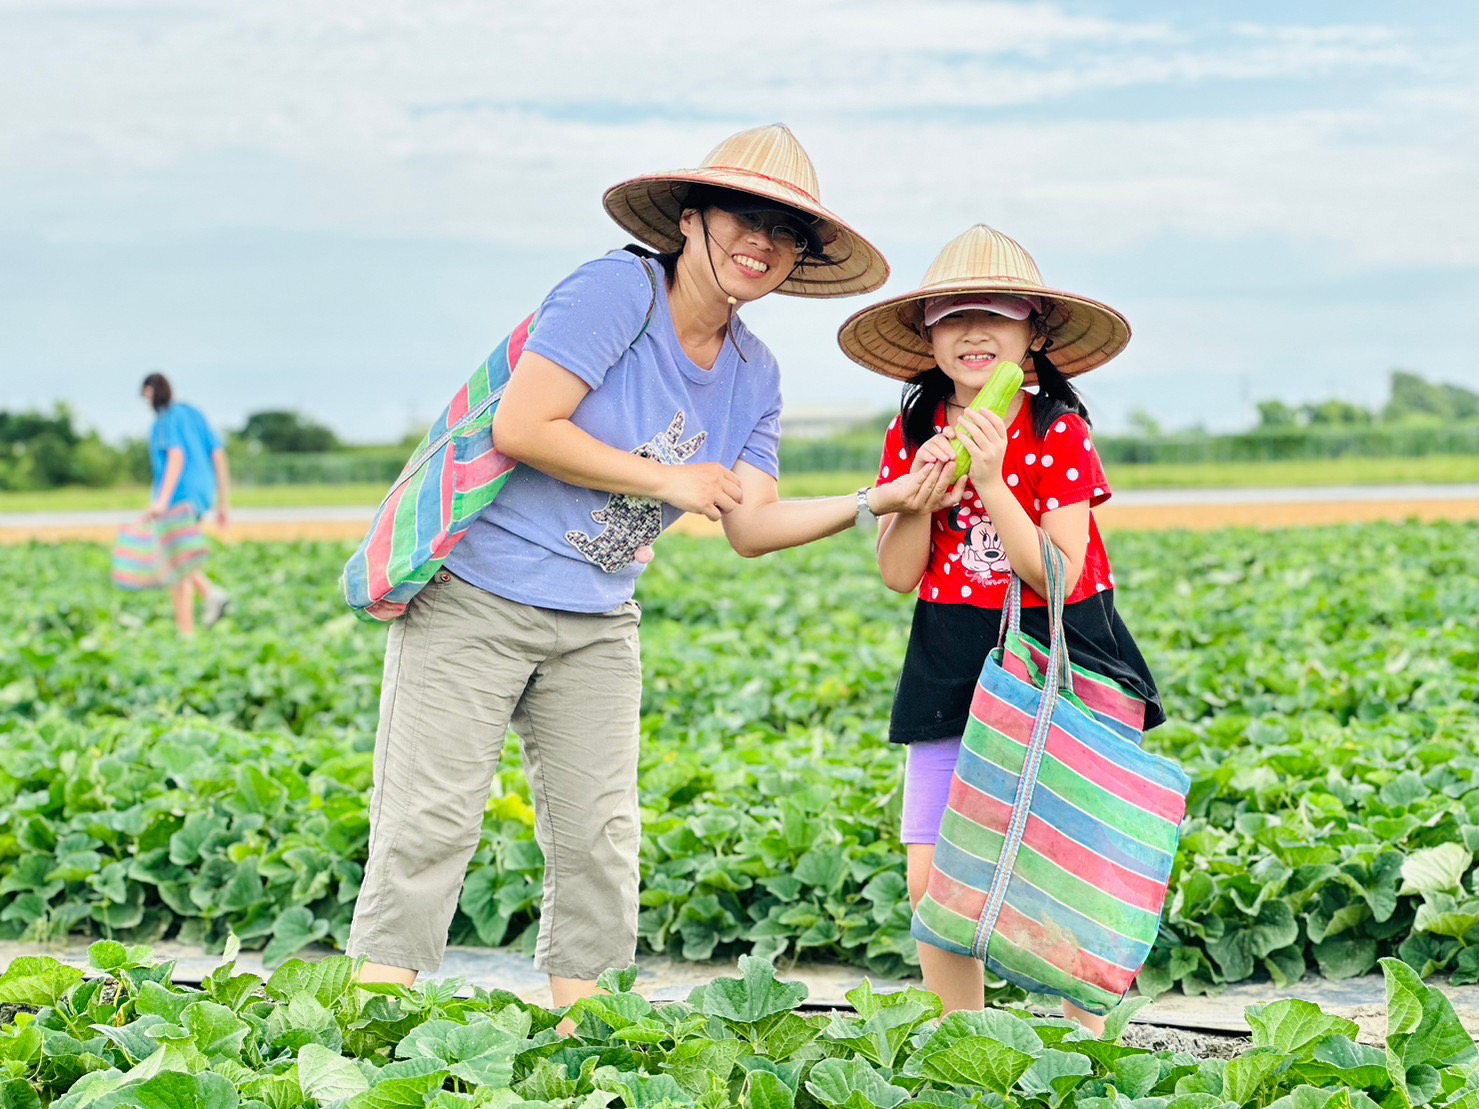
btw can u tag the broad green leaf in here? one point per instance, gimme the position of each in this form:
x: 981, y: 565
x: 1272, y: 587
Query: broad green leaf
x: 1292, y: 1026
x: 692, y: 1064
x: 971, y: 1061
x: 1433, y: 869
x: 172, y: 1090
x: 852, y: 1084
x: 328, y: 1076
x: 36, y: 980
x: 1247, y: 1075
x: 1054, y: 1075
x: 765, y: 1090
x: 1118, y: 1018
x: 754, y: 996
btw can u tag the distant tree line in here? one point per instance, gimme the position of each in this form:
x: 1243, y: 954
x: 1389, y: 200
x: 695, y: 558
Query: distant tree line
x: 44, y: 451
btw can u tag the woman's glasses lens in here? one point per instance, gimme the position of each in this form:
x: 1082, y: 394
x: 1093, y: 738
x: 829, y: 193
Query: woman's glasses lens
x: 784, y: 235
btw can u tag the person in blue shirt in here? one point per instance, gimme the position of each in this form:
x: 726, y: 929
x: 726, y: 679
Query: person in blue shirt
x: 190, y: 470
x: 640, y: 395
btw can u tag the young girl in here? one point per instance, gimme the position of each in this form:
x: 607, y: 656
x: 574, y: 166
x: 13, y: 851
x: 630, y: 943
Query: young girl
x: 983, y: 303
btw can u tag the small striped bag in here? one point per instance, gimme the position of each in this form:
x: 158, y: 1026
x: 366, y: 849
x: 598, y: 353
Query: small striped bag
x: 454, y: 473
x: 1057, y: 843
x: 154, y: 554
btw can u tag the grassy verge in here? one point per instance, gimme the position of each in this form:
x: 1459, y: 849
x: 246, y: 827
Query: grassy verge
x: 1436, y: 470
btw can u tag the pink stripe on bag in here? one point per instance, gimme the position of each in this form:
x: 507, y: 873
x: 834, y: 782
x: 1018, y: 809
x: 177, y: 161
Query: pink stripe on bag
x: 482, y: 470
x: 1060, y: 948
x: 458, y: 408
x: 1119, y: 780
x: 1078, y: 859
x: 379, y: 544
x: 1101, y: 698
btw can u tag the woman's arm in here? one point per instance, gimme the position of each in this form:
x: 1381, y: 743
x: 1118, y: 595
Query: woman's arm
x: 763, y: 523
x: 904, y: 539
x: 174, y: 468
x: 985, y: 436
x: 533, y: 426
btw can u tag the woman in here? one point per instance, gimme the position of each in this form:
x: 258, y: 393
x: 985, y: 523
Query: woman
x: 190, y: 470
x: 639, y: 396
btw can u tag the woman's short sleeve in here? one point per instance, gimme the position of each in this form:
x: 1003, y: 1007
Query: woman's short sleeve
x: 1067, y: 468
x: 590, y: 319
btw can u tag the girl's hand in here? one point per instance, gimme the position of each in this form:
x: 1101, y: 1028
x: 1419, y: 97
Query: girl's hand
x: 935, y: 449
x: 984, y: 434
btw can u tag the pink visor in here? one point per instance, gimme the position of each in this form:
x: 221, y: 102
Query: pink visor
x: 1003, y: 304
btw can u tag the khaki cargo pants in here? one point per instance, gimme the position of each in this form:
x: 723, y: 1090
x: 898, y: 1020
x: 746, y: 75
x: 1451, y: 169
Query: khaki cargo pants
x: 460, y: 666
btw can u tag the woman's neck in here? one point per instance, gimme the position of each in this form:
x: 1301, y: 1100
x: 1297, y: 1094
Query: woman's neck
x: 700, y: 310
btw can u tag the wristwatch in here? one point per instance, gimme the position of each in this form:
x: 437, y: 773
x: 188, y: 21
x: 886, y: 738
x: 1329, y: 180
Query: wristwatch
x: 865, y: 521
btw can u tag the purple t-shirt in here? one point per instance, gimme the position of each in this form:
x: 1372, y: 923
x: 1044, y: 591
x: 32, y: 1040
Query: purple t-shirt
x: 553, y: 545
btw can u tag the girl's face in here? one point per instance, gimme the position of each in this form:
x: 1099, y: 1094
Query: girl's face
x: 748, y: 263
x: 969, y: 346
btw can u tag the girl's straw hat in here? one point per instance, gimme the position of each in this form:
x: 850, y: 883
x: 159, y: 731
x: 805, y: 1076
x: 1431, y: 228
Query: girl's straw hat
x: 767, y: 162
x: 888, y: 337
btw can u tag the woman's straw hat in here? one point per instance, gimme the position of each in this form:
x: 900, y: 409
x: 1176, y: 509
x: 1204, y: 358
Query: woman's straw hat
x: 888, y: 337
x: 766, y: 162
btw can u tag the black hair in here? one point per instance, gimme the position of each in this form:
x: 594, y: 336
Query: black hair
x: 162, y: 394
x: 923, y: 394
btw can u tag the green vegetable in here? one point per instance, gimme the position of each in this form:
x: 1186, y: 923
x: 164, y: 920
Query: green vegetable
x: 996, y: 395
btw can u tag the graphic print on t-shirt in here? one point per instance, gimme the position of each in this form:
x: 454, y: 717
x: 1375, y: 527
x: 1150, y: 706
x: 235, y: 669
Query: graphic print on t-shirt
x: 635, y: 522
x: 981, y: 554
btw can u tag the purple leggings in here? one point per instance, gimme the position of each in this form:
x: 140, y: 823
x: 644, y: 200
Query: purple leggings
x: 928, y: 769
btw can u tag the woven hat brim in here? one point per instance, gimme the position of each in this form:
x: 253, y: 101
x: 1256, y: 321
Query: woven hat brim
x: 648, y: 208
x: 883, y: 338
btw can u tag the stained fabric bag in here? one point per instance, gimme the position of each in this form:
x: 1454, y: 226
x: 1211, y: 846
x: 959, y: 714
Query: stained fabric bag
x: 155, y: 553
x: 1057, y: 843
x: 454, y: 473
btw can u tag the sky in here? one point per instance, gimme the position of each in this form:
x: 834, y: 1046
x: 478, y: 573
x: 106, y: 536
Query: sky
x: 341, y: 206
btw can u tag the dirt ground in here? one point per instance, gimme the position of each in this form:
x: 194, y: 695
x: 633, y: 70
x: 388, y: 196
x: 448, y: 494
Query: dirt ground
x: 1110, y: 517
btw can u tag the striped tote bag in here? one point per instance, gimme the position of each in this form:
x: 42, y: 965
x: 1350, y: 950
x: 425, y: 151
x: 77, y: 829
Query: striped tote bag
x: 154, y: 554
x: 1057, y: 843
x: 454, y: 473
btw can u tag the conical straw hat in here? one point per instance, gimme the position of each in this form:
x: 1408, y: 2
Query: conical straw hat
x: 888, y: 337
x: 766, y: 162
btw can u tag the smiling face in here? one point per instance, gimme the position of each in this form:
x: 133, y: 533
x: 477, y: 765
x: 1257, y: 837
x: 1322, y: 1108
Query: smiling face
x: 969, y: 346
x: 747, y: 262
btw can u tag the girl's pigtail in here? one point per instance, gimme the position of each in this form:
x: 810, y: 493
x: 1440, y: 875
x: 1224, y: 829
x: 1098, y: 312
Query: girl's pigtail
x: 923, y: 395
x: 1056, y: 396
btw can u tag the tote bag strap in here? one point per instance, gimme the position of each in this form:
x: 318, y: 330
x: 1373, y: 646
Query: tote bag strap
x: 1058, y: 673
x: 1055, y: 569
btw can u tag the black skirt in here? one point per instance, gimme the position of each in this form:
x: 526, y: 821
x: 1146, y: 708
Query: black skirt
x: 948, y: 645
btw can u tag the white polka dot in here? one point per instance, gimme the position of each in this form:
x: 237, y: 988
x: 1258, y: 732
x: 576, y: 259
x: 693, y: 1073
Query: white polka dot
x: 903, y: 453
x: 1031, y: 458
x: 885, y: 471
x: 1047, y: 460
x: 1088, y: 446
x: 1016, y: 434
x: 947, y: 566
x: 1052, y: 503
x: 1012, y: 480
x: 1037, y: 502
x: 1098, y: 491
x: 1060, y: 426
x: 1111, y: 579
x: 934, y: 593
x: 1072, y: 473
x: 1100, y: 588
x: 965, y: 591
x: 894, y: 423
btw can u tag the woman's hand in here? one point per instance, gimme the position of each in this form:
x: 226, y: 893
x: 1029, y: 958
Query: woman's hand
x: 706, y: 488
x: 984, y: 434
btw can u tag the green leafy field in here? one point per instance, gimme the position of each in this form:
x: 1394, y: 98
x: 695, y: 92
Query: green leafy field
x: 1322, y: 686
x: 129, y: 1037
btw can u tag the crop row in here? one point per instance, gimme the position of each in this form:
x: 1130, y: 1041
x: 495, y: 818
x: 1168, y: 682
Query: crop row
x: 1321, y: 687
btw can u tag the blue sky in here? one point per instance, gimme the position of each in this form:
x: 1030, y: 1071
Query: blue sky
x: 340, y: 207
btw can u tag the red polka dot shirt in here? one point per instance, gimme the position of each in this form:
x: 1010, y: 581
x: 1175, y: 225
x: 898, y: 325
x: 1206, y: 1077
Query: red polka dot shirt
x: 967, y: 564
